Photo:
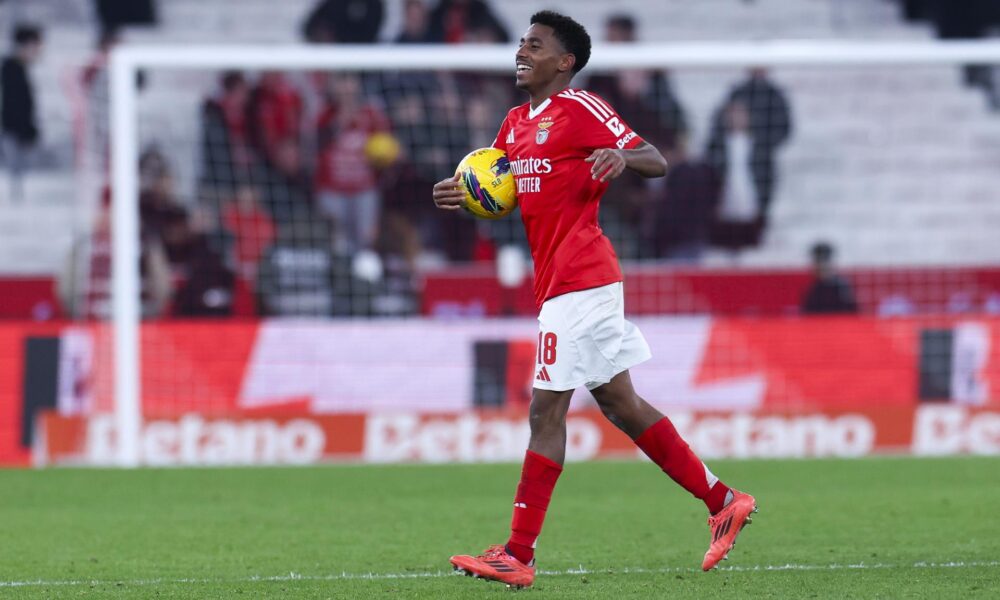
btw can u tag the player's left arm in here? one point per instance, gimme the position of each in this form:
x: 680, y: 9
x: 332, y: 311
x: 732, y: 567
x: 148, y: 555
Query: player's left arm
x: 644, y: 159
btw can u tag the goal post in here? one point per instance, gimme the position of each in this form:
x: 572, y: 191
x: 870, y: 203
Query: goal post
x: 125, y: 274
x: 128, y: 61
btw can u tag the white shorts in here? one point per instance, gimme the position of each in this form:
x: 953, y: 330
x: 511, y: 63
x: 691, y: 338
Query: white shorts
x: 584, y: 339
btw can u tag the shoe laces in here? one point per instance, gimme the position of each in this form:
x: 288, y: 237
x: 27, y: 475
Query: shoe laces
x: 717, y: 517
x: 495, y: 551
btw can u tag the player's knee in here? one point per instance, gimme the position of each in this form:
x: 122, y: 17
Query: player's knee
x: 614, y: 406
x: 543, y: 422
x: 545, y: 417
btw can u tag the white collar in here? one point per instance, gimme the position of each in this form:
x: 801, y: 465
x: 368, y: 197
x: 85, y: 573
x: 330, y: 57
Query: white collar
x: 534, y: 112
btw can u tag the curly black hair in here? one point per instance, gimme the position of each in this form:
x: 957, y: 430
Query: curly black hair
x: 570, y: 34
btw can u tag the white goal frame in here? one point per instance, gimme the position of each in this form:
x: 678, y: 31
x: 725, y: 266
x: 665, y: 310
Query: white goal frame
x: 127, y: 60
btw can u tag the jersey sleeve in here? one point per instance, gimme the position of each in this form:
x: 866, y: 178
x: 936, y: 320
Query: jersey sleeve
x: 598, y: 124
x: 500, y: 143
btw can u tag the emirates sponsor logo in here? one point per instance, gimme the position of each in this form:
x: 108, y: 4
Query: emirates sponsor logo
x: 530, y: 166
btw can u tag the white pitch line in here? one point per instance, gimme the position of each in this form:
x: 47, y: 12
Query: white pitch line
x: 581, y: 570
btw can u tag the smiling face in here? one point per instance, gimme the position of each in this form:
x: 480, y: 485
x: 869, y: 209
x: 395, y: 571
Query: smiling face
x: 540, y: 59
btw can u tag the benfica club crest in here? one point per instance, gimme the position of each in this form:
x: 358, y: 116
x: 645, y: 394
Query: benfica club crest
x: 543, y: 131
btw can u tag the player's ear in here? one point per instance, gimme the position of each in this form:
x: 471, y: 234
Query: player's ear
x: 566, y: 62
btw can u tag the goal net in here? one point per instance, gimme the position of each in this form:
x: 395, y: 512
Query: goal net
x: 271, y: 249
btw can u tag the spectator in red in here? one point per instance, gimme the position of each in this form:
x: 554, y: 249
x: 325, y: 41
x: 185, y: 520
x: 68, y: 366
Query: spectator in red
x: 84, y: 286
x: 451, y: 21
x: 275, y: 114
x: 251, y: 226
x: 225, y: 140
x: 346, y: 185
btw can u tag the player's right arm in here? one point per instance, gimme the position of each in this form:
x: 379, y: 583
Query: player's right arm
x: 448, y: 193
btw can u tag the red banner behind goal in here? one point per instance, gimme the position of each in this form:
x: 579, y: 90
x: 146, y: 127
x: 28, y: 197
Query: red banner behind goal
x: 744, y: 387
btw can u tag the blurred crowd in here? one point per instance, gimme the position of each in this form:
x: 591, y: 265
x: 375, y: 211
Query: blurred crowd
x: 313, y: 188
x: 317, y: 185
x: 310, y: 192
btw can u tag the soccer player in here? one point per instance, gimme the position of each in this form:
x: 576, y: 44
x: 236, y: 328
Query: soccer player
x: 565, y: 146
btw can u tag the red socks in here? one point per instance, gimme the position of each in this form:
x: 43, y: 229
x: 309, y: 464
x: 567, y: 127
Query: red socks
x: 667, y: 448
x: 660, y: 442
x: 538, y: 478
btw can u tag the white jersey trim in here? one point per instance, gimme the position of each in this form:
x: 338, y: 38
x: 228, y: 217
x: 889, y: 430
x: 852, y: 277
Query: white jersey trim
x: 569, y: 94
x: 534, y: 112
x: 585, y: 105
x: 597, y: 101
x: 601, y: 108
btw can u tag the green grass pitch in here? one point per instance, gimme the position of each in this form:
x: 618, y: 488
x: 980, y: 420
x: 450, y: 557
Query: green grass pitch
x: 869, y: 528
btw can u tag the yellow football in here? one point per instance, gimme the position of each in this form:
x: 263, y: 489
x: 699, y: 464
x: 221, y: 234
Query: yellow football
x: 490, y: 191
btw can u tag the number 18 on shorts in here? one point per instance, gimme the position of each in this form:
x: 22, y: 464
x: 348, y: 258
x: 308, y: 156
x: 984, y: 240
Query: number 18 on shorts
x: 584, y: 339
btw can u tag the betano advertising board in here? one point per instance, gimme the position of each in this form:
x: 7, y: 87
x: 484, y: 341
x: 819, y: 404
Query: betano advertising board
x: 299, y: 392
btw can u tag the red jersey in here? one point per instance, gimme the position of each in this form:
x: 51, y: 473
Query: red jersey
x: 343, y: 166
x: 558, y: 197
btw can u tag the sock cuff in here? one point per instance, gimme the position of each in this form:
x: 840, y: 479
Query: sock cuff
x: 525, y: 540
x: 649, y: 440
x: 650, y: 432
x: 540, y: 468
x: 715, y: 497
x: 541, y: 459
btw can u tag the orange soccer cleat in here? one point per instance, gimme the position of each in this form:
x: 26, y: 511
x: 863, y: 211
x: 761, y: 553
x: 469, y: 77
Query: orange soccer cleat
x: 495, y: 564
x: 726, y: 525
